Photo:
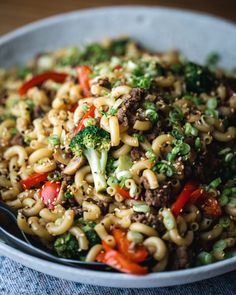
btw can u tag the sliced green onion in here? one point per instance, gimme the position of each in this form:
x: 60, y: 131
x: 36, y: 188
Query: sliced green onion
x: 139, y: 136
x: 212, y: 103
x: 223, y: 199
x: 224, y: 151
x: 13, y: 131
x: 151, y: 115
x: 212, y: 113
x: 45, y: 62
x: 54, y: 176
x: 151, y: 155
x: 117, y: 103
x: 227, y: 191
x: 90, y: 122
x: 85, y: 108
x: 196, y: 100
x: 148, y: 105
x: 225, y: 222
x: 144, y: 208
x: 190, y: 130
x: 177, y: 134
x: 215, y: 183
x: 229, y: 157
x: 112, y: 180
x: 123, y: 174
x: 164, y: 167
x: 115, y: 61
x: 176, y: 115
x: 142, y: 82
x: 131, y: 65
x: 68, y: 195
x: 171, y: 157
x: 134, y: 236
x: 168, y: 220
x: 232, y: 201
x: 54, y: 140
x: 133, y: 190
x: 219, y: 245
x: 205, y: 258
x: 197, y: 142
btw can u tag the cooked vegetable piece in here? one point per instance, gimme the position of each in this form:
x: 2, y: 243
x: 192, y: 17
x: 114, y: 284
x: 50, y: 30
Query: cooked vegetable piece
x: 67, y: 246
x: 198, y: 79
x: 94, y: 144
x: 34, y: 180
x: 184, y: 197
x: 89, y: 114
x: 83, y: 77
x: 138, y: 254
x: 49, y: 193
x: 116, y: 260
x: 39, y: 79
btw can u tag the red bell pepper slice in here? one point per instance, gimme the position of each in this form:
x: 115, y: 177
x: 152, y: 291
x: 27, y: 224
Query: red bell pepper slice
x: 209, y: 205
x: 89, y: 114
x: 49, y: 193
x: 100, y: 257
x: 137, y: 255
x: 83, y: 73
x: 118, y: 261
x: 39, y: 79
x: 184, y: 197
x: 118, y: 68
x: 195, y: 195
x: 73, y: 107
x: 125, y: 194
x: 33, y: 180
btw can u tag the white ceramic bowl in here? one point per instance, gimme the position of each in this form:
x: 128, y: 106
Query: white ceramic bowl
x: 158, y: 28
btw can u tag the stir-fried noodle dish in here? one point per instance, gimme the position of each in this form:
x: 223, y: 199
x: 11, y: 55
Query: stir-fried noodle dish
x: 117, y: 154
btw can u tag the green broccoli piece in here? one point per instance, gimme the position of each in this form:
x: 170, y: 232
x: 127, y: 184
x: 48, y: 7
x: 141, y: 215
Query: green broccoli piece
x: 88, y: 229
x: 119, y: 46
x: 212, y: 60
x: 111, y: 165
x: 94, y: 53
x: 198, y: 79
x: 67, y: 246
x: 177, y: 69
x: 94, y: 143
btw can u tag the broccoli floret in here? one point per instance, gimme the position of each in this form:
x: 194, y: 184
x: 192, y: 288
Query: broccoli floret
x: 198, y: 79
x: 67, y: 246
x: 94, y: 143
x: 119, y: 46
x: 111, y: 165
x: 177, y: 69
x: 212, y: 60
x: 88, y: 229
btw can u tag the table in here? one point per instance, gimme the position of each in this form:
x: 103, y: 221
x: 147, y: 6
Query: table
x: 16, y: 279
x: 15, y: 13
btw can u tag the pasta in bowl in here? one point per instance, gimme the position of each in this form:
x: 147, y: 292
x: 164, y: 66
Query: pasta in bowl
x: 116, y: 154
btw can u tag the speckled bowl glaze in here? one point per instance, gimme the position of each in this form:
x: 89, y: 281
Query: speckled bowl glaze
x: 157, y: 28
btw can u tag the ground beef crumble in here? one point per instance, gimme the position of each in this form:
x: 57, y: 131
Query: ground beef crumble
x: 132, y: 101
x: 137, y: 153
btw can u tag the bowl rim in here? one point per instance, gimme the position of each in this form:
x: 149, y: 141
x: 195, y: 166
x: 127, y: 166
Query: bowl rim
x: 58, y: 270
x: 203, y: 272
